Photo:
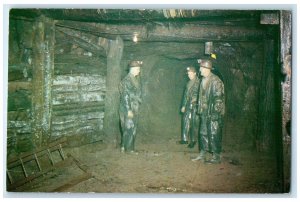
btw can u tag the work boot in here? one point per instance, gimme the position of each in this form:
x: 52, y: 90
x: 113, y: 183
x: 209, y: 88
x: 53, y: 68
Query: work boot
x: 182, y: 142
x: 216, y: 159
x: 133, y: 152
x: 192, y: 144
x: 201, y: 156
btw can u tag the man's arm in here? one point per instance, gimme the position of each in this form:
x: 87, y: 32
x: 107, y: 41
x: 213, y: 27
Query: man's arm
x: 125, y: 96
x: 219, y: 98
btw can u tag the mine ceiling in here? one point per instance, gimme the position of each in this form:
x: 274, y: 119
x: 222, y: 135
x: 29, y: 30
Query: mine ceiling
x: 124, y: 16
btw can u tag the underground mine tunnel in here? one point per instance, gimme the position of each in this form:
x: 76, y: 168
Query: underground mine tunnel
x: 64, y: 71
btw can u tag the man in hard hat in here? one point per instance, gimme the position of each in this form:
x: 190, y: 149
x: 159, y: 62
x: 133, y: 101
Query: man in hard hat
x: 189, y: 109
x: 130, y: 100
x: 211, y: 108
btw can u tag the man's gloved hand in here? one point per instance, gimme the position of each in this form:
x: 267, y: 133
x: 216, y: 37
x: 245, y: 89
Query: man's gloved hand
x: 183, y: 109
x: 130, y: 114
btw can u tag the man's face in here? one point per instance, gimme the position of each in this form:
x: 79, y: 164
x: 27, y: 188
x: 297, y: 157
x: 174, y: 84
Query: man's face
x: 135, y: 70
x: 191, y: 75
x: 204, y: 71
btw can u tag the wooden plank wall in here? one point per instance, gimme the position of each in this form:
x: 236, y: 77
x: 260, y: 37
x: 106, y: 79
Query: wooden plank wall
x: 77, y: 88
x: 19, y: 123
x: 19, y: 104
x: 78, y: 92
x: 77, y: 104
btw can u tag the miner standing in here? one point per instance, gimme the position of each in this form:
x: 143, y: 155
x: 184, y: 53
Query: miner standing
x: 130, y: 100
x: 189, y: 108
x: 211, y: 108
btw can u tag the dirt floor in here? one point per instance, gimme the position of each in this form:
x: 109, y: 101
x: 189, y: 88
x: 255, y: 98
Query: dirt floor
x: 158, y: 168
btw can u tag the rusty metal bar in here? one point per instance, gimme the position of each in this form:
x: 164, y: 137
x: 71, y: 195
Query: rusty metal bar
x: 50, y: 157
x: 37, y: 162
x: 23, y: 168
x: 61, y: 152
x: 9, y: 177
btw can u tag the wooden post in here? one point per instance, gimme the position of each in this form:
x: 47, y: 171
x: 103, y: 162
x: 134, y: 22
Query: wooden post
x: 265, y: 137
x: 43, y: 66
x: 286, y: 59
x: 49, y: 72
x: 112, y: 98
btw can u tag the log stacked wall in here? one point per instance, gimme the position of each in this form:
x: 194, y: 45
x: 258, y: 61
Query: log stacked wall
x: 19, y: 114
x: 78, y: 92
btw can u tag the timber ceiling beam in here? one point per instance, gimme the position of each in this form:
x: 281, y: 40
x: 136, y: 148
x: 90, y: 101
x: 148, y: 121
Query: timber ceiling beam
x: 168, y: 33
x: 96, y: 45
x: 140, y: 15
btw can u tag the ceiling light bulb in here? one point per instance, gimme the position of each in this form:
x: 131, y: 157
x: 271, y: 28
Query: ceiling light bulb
x: 135, y: 39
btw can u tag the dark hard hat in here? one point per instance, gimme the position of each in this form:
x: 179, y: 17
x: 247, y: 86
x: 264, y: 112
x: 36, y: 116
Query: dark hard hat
x: 191, y: 69
x: 205, y: 63
x: 135, y: 63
